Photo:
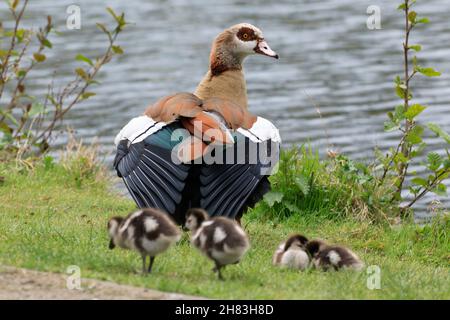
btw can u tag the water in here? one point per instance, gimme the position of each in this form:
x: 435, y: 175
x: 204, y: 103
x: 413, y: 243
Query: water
x: 327, y: 53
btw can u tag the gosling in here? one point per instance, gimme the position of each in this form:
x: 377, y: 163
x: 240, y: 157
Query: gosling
x: 220, y: 239
x: 292, y: 254
x: 335, y: 257
x: 147, y: 231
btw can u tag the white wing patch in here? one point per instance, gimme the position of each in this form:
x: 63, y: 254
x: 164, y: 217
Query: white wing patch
x: 219, y: 235
x: 138, y: 129
x: 150, y: 224
x: 334, y: 257
x: 262, y: 130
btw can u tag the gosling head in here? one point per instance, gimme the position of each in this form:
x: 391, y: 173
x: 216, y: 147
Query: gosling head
x: 194, y: 218
x: 231, y: 46
x: 113, y: 227
x: 296, y: 241
x: 314, y: 246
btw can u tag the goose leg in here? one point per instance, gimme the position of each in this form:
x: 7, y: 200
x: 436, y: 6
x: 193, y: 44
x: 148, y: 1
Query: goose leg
x: 144, y: 269
x: 152, y: 259
x: 217, y: 268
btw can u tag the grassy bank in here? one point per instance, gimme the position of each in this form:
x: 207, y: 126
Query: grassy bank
x: 54, y: 215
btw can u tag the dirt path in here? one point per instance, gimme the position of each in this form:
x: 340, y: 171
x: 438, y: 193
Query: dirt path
x: 29, y: 284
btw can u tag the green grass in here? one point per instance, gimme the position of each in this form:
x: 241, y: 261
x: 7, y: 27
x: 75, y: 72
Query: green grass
x: 51, y: 218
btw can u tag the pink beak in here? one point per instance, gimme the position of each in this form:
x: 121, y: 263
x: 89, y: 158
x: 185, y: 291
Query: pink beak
x: 263, y: 48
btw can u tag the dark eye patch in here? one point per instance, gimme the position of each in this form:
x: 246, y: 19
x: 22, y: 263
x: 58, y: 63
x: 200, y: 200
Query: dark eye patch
x: 246, y: 34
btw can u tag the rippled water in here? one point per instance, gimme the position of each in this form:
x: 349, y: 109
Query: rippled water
x: 327, y: 55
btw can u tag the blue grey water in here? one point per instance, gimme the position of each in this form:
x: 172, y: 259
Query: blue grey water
x: 328, y: 55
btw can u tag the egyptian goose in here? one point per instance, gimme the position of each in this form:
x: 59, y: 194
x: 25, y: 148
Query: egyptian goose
x: 203, y: 149
x: 219, y: 238
x: 291, y: 253
x: 149, y: 232
x: 325, y: 256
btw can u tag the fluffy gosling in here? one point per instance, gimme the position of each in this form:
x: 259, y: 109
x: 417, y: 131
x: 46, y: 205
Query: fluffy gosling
x: 147, y: 231
x: 219, y: 238
x: 326, y: 256
x: 292, y: 254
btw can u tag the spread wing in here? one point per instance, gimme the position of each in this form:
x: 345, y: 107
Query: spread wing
x: 149, y: 172
x: 228, y: 188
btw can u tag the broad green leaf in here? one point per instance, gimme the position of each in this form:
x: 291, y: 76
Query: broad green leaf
x: 439, y: 131
x: 302, y: 182
x: 428, y: 72
x: 413, y: 111
x: 412, y: 16
x: 415, y: 135
x: 273, y: 197
x: 415, y: 47
x: 418, y: 181
x: 390, y: 126
x: 400, y: 157
x: 446, y: 164
x: 423, y: 20
x: 82, y: 73
x: 83, y: 58
x: 39, y: 57
x: 399, y: 113
x: 86, y: 95
x: 440, y: 190
x: 434, y: 161
x: 102, y: 27
x: 400, y: 92
x: 117, y: 49
x: 46, y: 43
x: 291, y: 207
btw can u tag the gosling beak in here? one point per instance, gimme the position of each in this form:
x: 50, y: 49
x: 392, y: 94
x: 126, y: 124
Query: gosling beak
x: 111, y: 244
x: 263, y: 48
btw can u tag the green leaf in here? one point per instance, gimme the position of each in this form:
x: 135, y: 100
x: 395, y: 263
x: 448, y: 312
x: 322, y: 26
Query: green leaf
x: 434, y: 161
x: 273, y: 197
x: 446, y: 164
x: 423, y: 20
x: 291, y: 207
x: 399, y: 113
x: 302, y: 182
x: 39, y: 57
x: 111, y: 11
x: 413, y: 111
x: 400, y: 92
x: 390, y: 126
x: 102, y: 27
x: 400, y: 157
x: 415, y: 47
x: 80, y: 57
x: 418, y: 181
x: 428, y: 72
x: 439, y: 131
x: 86, y: 95
x: 117, y: 49
x: 82, y: 73
x: 415, y: 135
x: 13, y: 4
x: 402, y: 7
x: 46, y: 43
x: 412, y: 16
x: 440, y: 190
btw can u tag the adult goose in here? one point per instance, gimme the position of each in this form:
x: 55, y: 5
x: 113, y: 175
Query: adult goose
x: 203, y: 149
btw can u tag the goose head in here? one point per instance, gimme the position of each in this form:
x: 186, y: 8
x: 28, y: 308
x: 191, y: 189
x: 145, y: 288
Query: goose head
x: 234, y: 44
x: 194, y: 218
x: 113, y: 227
x: 296, y: 241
